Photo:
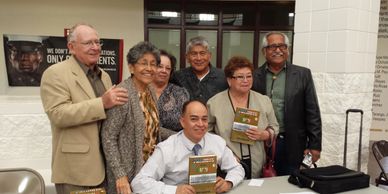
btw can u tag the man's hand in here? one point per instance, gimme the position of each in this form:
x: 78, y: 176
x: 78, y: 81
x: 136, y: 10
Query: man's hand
x: 223, y: 186
x: 316, y: 154
x: 185, y: 189
x: 122, y: 185
x: 114, y: 96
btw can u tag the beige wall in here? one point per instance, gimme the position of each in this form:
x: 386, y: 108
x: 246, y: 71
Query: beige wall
x: 118, y: 19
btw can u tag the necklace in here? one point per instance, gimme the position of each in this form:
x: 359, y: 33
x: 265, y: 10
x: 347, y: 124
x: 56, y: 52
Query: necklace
x: 238, y: 101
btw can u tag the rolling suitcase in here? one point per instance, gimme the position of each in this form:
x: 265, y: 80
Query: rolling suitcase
x: 360, y: 138
x: 334, y: 178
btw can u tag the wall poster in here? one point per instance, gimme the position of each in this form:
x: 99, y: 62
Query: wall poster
x: 26, y: 57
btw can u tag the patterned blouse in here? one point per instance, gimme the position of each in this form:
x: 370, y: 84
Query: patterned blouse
x: 151, y: 130
x: 170, y: 105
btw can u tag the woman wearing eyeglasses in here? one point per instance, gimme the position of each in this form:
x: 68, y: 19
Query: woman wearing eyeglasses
x: 222, y: 108
x: 131, y: 131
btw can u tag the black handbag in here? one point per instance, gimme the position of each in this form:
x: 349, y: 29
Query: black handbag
x: 329, y: 179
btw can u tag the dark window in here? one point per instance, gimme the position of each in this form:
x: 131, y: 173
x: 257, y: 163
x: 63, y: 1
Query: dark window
x: 198, y: 14
x: 239, y: 25
x: 164, y: 13
x: 238, y: 14
x: 277, y: 15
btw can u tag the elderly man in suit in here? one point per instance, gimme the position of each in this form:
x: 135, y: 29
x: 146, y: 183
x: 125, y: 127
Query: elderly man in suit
x: 292, y: 92
x: 75, y: 94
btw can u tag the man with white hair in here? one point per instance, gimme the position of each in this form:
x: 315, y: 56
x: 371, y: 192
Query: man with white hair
x: 292, y: 92
x: 75, y: 94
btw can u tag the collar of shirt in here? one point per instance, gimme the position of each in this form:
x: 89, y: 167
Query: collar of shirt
x: 210, y: 72
x: 201, y: 78
x: 188, y: 143
x: 191, y: 71
x: 94, y: 70
x: 268, y: 69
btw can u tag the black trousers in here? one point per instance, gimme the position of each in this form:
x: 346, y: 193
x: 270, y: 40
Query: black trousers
x: 282, y: 166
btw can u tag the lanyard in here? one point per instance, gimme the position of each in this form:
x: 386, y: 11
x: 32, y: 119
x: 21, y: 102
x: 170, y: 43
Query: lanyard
x: 248, y: 156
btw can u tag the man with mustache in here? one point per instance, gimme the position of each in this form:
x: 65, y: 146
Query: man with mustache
x: 292, y: 92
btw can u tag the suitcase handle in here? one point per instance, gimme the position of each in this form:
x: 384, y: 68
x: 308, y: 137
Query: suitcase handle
x: 360, y: 136
x: 354, y: 110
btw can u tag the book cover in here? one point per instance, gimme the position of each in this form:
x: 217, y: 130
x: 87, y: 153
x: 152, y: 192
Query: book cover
x: 203, y: 173
x: 90, y: 191
x: 243, y: 120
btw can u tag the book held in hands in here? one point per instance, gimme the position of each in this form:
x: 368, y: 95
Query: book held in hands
x: 243, y: 120
x: 90, y: 191
x: 203, y: 173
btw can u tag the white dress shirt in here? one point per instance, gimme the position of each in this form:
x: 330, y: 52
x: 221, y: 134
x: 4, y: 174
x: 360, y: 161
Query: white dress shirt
x: 168, y: 165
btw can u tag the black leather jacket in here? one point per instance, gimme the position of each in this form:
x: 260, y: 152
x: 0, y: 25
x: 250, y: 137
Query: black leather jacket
x: 302, y: 118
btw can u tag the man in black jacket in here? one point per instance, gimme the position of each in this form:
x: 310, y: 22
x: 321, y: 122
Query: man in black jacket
x: 291, y: 89
x: 201, y: 79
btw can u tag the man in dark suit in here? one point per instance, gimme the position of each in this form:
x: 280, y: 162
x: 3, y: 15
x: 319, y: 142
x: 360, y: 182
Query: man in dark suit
x: 292, y: 92
x: 75, y: 94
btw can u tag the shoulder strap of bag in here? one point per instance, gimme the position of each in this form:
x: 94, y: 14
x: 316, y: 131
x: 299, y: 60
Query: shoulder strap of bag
x: 270, y: 145
x: 273, y: 147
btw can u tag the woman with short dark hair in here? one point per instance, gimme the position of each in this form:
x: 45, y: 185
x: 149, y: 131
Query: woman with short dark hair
x: 131, y: 131
x: 222, y: 108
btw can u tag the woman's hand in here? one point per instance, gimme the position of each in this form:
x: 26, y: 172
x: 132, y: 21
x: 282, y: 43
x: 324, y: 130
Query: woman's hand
x: 256, y: 134
x: 122, y: 185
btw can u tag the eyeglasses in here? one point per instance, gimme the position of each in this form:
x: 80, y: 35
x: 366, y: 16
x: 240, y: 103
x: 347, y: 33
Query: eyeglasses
x: 273, y: 47
x: 242, y: 77
x: 145, y: 64
x: 93, y: 42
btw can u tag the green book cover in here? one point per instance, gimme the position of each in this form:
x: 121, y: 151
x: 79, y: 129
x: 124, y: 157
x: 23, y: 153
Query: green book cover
x: 203, y: 173
x: 90, y: 191
x: 243, y: 120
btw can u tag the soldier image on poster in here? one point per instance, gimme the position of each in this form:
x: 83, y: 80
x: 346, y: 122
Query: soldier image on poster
x: 24, y: 60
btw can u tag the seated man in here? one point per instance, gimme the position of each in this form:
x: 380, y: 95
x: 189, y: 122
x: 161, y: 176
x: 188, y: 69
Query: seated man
x: 166, y: 171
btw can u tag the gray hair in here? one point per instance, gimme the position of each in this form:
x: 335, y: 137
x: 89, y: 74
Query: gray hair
x: 141, y: 48
x: 265, y: 38
x: 72, y: 36
x: 198, y: 40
